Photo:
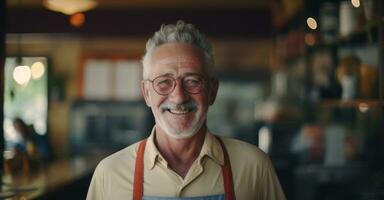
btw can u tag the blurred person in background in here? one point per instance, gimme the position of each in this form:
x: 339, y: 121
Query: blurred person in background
x: 182, y: 159
x: 33, y: 145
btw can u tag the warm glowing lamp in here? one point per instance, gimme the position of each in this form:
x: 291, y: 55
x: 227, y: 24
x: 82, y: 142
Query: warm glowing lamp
x: 22, y: 74
x: 70, y: 7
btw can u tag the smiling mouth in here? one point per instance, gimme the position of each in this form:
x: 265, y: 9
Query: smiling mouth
x: 180, y: 111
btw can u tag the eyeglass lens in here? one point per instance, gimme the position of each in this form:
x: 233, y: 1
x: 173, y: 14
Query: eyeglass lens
x: 166, y: 84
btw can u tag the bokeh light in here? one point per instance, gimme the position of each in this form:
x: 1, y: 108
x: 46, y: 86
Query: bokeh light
x: 22, y: 74
x: 355, y: 3
x: 310, y: 39
x: 37, y: 70
x: 77, y: 20
x: 311, y: 22
x: 363, y: 107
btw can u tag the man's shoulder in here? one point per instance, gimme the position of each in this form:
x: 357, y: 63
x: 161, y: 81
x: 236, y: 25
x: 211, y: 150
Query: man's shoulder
x: 122, y: 158
x: 253, y: 171
x: 238, y: 149
x: 232, y: 143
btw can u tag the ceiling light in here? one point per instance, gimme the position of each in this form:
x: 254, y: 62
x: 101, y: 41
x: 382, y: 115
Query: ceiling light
x: 70, y: 7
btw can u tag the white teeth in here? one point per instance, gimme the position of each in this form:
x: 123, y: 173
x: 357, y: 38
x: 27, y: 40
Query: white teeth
x: 179, y: 112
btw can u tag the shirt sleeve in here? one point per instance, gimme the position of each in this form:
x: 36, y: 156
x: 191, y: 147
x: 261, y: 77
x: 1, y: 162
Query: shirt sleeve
x: 270, y: 185
x: 96, y: 188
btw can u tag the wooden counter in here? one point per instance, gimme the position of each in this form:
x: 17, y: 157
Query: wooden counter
x: 66, y: 177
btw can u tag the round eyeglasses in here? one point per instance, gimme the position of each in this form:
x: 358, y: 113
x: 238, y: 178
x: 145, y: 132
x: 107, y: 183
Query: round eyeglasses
x: 164, y: 85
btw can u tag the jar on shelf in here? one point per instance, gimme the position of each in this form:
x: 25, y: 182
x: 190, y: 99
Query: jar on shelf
x: 347, y: 74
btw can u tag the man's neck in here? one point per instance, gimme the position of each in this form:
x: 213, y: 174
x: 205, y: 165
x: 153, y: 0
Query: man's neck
x: 180, y: 153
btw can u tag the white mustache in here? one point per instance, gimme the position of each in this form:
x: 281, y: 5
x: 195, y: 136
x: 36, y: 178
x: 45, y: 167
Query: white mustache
x: 190, y: 105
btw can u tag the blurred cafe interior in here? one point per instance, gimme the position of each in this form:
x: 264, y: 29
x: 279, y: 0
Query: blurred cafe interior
x: 301, y: 79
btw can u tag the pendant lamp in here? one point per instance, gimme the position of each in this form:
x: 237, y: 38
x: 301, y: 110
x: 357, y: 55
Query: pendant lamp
x: 70, y: 7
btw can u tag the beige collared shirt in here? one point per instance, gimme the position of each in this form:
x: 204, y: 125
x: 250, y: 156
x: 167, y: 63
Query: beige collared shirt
x: 253, y: 174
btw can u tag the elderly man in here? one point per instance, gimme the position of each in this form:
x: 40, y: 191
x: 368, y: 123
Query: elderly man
x: 182, y: 159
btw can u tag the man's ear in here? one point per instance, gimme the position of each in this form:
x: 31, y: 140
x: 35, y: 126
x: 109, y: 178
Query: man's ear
x: 144, y: 91
x: 214, y: 87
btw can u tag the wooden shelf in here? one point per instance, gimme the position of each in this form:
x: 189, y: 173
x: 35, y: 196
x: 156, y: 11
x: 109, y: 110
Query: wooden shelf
x: 362, y: 35
x: 356, y: 103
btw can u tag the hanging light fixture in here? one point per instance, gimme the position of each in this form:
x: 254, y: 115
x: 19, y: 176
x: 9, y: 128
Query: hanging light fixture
x: 70, y: 7
x: 21, y: 72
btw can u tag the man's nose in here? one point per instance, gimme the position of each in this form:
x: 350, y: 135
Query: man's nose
x: 179, y: 95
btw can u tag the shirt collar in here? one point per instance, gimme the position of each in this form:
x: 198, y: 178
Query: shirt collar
x: 211, y: 148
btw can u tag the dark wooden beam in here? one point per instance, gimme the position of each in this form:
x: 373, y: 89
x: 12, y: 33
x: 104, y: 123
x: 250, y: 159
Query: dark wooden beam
x: 122, y: 22
x: 2, y: 62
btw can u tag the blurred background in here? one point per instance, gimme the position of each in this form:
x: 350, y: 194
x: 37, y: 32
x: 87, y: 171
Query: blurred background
x: 301, y: 79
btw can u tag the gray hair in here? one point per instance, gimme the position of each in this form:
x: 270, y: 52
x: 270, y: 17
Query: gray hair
x: 179, y: 32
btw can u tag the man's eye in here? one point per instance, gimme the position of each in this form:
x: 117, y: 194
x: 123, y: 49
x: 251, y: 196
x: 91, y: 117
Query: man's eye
x: 192, y: 82
x: 164, y: 83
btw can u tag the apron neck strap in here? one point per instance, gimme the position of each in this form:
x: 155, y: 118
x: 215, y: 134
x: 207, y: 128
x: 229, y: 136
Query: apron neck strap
x: 139, y: 173
x: 227, y: 173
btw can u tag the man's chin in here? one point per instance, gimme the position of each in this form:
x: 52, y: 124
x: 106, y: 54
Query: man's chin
x: 187, y: 130
x: 181, y: 134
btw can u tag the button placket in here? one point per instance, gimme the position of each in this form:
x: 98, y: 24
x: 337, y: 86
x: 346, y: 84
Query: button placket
x: 194, y: 172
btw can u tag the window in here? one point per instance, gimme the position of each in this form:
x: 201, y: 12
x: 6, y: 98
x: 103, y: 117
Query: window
x: 25, y: 96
